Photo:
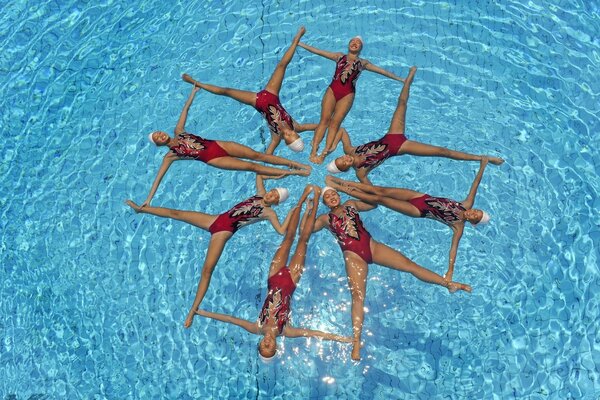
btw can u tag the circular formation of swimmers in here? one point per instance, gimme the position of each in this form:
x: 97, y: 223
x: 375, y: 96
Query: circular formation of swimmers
x: 343, y: 219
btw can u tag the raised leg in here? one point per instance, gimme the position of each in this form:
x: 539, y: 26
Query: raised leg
x: 215, y: 249
x: 327, y: 107
x: 232, y: 163
x: 198, y: 219
x: 238, y: 150
x: 242, y: 96
x: 357, y: 271
x: 341, y: 110
x: 306, y: 230
x: 283, y: 251
x: 427, y: 150
x: 399, y: 119
x: 388, y: 257
x: 274, y: 84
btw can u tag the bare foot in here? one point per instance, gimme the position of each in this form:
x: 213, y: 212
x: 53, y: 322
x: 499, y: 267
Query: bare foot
x: 189, y: 319
x: 411, y: 75
x: 314, y: 158
x: 495, y: 160
x: 319, y: 159
x: 300, y: 33
x: 301, y: 172
x: 135, y: 207
x: 455, y: 286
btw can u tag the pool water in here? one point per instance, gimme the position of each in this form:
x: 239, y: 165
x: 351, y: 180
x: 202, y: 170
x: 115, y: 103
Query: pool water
x: 94, y: 296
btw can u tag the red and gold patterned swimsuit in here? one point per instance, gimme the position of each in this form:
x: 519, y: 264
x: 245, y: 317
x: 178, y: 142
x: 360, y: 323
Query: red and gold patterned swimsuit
x: 277, y: 305
x: 270, y: 107
x: 345, y: 76
x: 350, y: 233
x: 247, y: 212
x: 446, y: 211
x: 194, y: 147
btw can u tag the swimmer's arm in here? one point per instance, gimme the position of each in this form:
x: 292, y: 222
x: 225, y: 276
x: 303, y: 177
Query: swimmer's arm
x: 301, y: 332
x: 323, y: 53
x: 381, y: 71
x: 346, y: 143
x: 305, y: 127
x: 457, y: 235
x: 361, y: 205
x: 180, y: 128
x: 275, y: 140
x: 251, y: 327
x: 164, y: 167
x: 470, y: 200
x: 279, y: 228
x: 322, y: 222
x: 361, y: 174
x: 260, y: 185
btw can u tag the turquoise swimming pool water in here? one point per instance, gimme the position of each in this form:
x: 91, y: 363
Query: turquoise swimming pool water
x: 94, y: 296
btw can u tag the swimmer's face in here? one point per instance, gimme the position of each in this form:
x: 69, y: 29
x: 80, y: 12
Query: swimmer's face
x: 267, y: 347
x: 355, y: 45
x: 160, y: 138
x: 331, y: 198
x: 344, y: 162
x: 271, y: 197
x: 473, y: 215
x: 289, y: 135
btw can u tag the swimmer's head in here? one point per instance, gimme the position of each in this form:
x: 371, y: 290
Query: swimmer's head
x: 276, y: 196
x: 291, y: 138
x: 356, y: 44
x: 158, y: 138
x: 331, y: 197
x: 267, y: 347
x: 297, y: 145
x: 340, y: 164
x: 476, y: 217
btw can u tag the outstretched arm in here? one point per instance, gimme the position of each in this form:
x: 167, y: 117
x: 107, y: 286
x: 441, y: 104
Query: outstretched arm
x: 305, y: 127
x: 164, y: 167
x: 180, y: 128
x: 470, y: 200
x: 275, y: 140
x: 274, y: 220
x: 322, y: 222
x: 251, y: 327
x: 361, y: 174
x: 301, y: 332
x: 346, y: 144
x: 323, y: 53
x: 458, y: 231
x: 381, y: 71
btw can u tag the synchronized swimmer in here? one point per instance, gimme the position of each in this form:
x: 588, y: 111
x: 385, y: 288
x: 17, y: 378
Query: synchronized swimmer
x: 281, y: 124
x: 339, y: 95
x: 368, y: 156
x: 343, y: 220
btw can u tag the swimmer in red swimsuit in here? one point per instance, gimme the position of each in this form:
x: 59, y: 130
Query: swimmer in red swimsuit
x: 223, y: 226
x: 273, y: 319
x: 280, y: 123
x: 360, y: 250
x: 421, y: 205
x: 366, y: 157
x: 216, y: 153
x: 339, y: 96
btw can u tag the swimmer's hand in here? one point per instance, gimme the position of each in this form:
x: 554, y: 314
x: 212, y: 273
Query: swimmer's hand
x: 135, y: 207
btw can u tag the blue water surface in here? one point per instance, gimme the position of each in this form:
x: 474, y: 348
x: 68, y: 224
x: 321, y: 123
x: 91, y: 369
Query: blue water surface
x: 94, y: 296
